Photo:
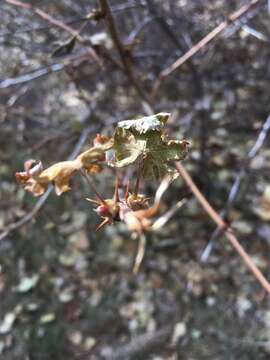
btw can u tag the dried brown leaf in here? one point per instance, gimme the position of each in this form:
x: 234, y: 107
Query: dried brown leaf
x: 36, y: 180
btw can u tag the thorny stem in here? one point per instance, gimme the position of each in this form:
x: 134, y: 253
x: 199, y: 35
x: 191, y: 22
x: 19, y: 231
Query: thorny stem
x: 92, y: 186
x: 228, y: 232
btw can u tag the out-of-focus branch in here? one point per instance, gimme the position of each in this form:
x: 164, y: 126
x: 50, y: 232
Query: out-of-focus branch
x: 197, y: 85
x: 163, y: 219
x: 139, y: 28
x: 203, y: 42
x: 25, y: 78
x: 42, y: 14
x: 257, y: 34
x: 23, y: 30
x: 116, y: 8
x: 42, y: 200
x: 140, y: 253
x: 236, y: 185
x: 228, y: 232
x: 142, y: 344
x: 36, y: 74
x: 123, y: 53
x: 139, y: 346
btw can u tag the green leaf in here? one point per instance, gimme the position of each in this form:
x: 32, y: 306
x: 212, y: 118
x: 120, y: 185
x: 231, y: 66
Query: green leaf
x: 143, y: 140
x: 65, y: 48
x: 127, y: 147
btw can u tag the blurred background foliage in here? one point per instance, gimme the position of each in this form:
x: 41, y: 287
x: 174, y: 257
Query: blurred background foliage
x: 68, y: 292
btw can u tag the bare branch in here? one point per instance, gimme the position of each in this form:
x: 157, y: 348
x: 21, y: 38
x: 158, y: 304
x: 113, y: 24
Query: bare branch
x: 258, y: 35
x: 163, y: 219
x: 203, y: 42
x: 36, y: 74
x: 228, y: 232
x: 140, y: 253
x: 197, y: 83
x: 236, y: 185
x: 124, y: 55
x: 21, y: 79
x: 42, y: 14
x: 142, y: 344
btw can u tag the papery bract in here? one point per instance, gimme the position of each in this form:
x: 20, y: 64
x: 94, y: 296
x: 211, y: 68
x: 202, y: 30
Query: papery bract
x: 36, y: 180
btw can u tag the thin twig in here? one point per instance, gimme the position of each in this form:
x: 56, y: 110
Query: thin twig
x: 139, y: 176
x: 136, y: 31
x: 124, y: 55
x: 203, y: 42
x: 23, y: 30
x: 163, y: 219
x: 258, y: 35
x: 140, y: 253
x: 42, y: 200
x: 138, y: 347
x: 127, y: 6
x: 143, y: 344
x: 197, y: 85
x: 92, y: 187
x: 236, y: 185
x: 60, y: 24
x: 19, y: 31
x: 177, y: 39
x: 228, y: 232
x: 36, y: 74
x: 44, y: 71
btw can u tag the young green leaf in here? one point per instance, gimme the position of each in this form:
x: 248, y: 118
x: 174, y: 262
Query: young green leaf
x: 143, y: 140
x: 65, y: 48
x: 127, y: 147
